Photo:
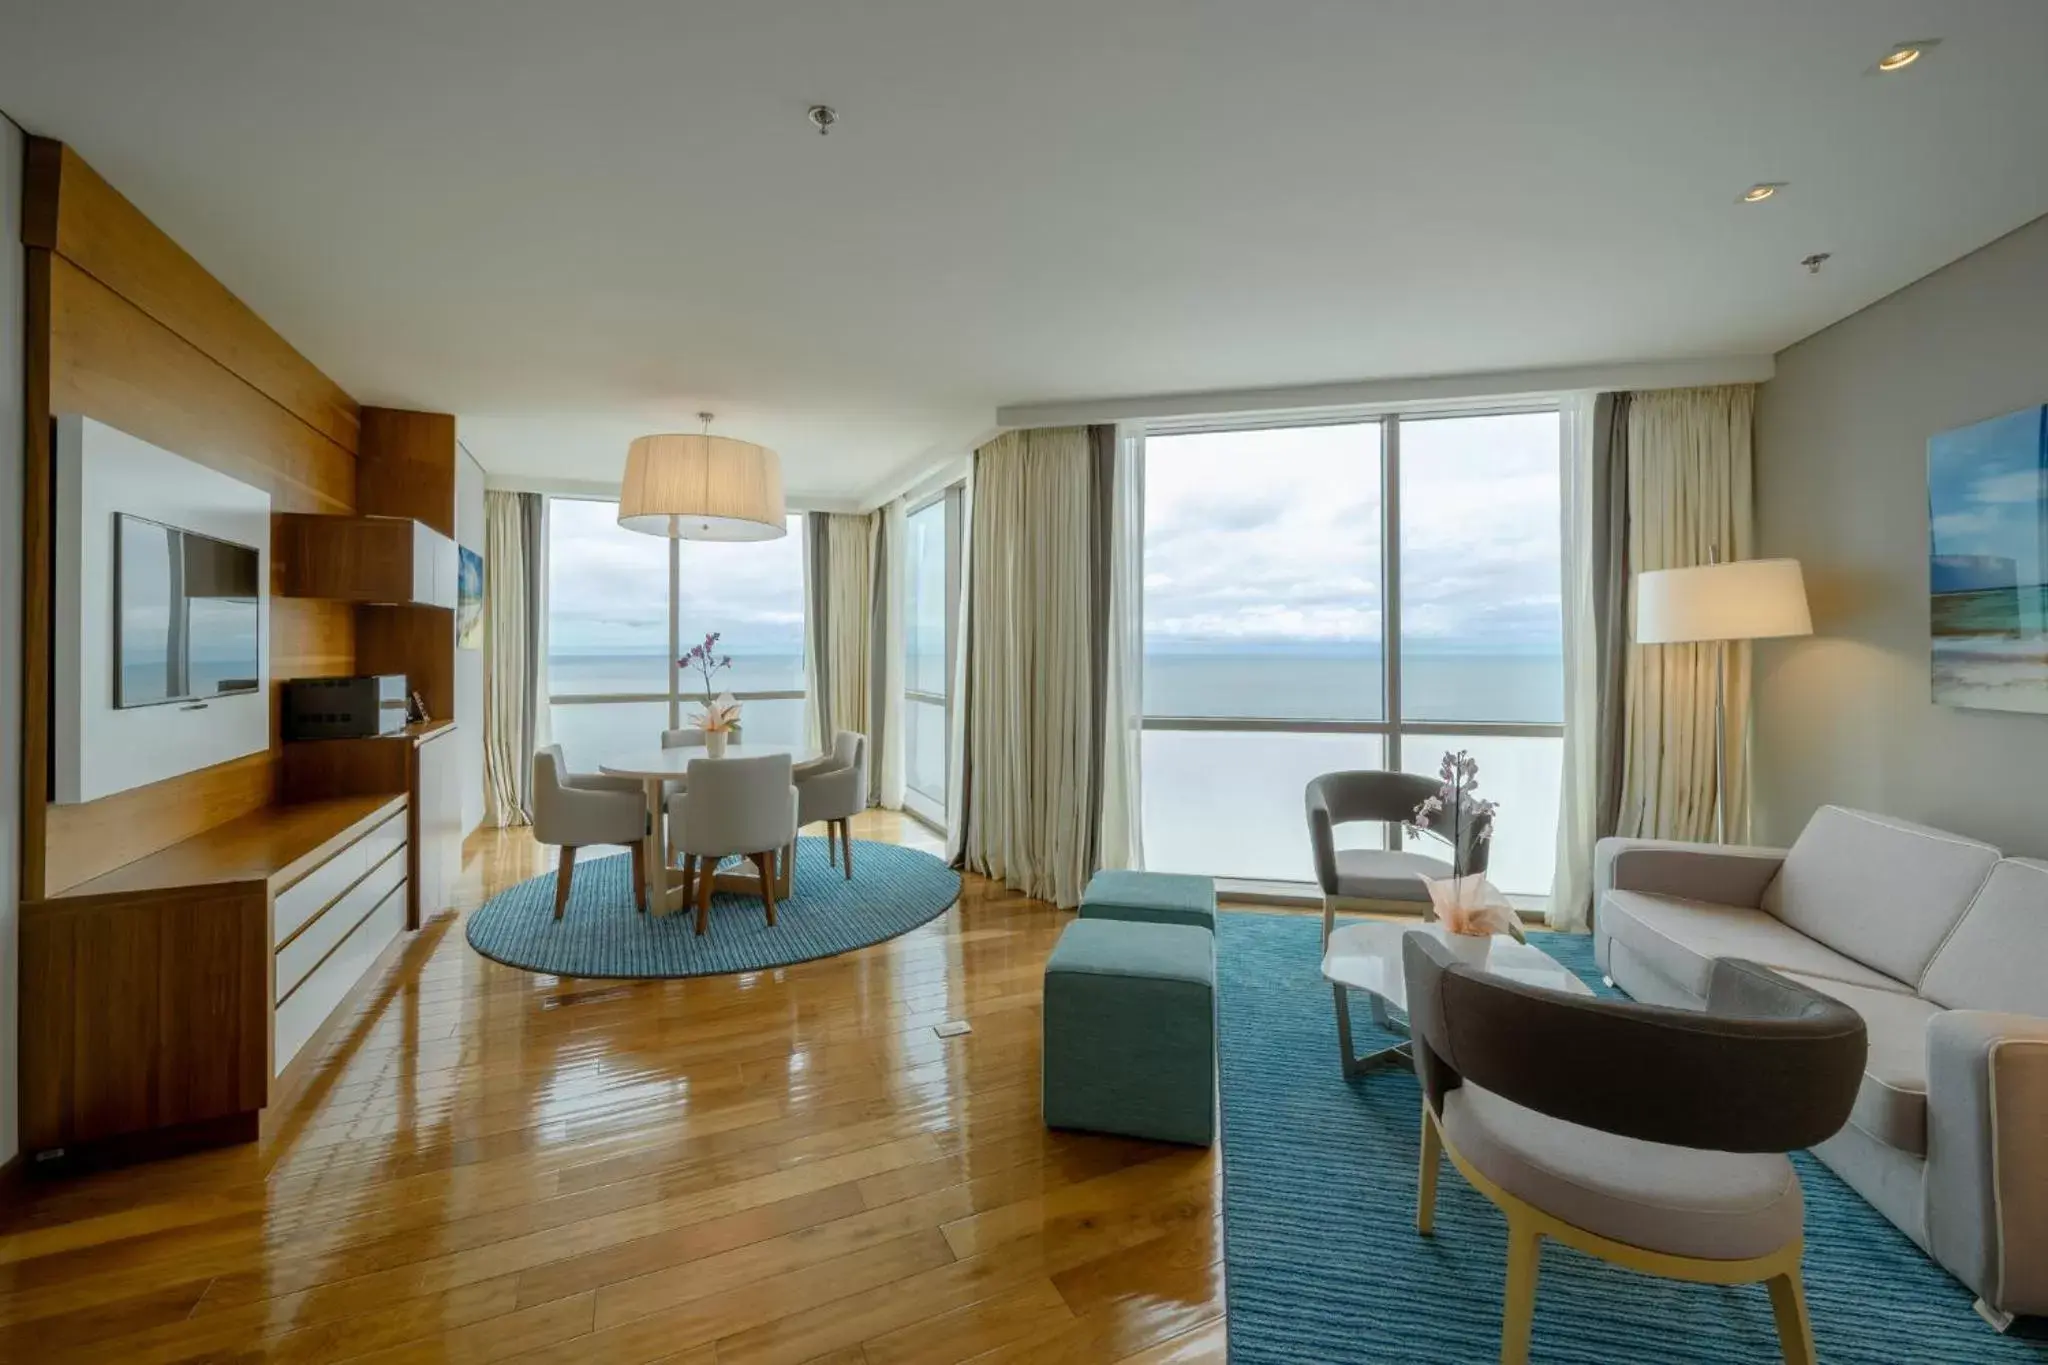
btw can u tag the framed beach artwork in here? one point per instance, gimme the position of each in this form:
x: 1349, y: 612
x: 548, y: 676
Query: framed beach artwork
x: 1987, y: 503
x: 469, y: 599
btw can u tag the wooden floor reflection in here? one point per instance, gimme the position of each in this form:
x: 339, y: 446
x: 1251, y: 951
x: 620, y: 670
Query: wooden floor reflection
x: 782, y: 1167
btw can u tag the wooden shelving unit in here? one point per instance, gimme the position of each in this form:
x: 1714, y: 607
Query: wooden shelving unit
x: 395, y: 560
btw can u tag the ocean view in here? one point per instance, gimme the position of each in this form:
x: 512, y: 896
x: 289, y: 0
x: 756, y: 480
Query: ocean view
x: 1218, y: 803
x: 1272, y: 682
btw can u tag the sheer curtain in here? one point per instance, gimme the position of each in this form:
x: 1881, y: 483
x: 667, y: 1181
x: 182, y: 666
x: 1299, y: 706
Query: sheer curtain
x: 1121, y: 841
x: 957, y: 763
x: 1690, y: 498
x: 515, y: 650
x: 1571, y: 887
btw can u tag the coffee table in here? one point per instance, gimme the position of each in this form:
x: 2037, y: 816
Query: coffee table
x: 1367, y: 957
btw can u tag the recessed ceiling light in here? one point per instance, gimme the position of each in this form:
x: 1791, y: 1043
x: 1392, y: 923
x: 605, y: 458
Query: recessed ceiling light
x: 1756, y: 194
x: 1903, y: 55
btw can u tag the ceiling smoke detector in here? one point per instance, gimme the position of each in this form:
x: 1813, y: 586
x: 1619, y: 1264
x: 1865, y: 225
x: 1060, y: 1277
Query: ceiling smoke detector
x: 1814, y: 262
x: 822, y: 117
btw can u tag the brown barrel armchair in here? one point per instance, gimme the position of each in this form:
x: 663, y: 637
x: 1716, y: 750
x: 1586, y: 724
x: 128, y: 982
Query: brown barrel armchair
x: 1651, y: 1137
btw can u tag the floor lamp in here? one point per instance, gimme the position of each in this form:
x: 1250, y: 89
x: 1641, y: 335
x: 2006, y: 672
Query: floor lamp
x: 1743, y: 599
x: 696, y: 486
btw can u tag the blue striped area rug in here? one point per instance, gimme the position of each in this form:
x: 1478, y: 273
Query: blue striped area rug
x: 893, y: 890
x: 1325, y: 1267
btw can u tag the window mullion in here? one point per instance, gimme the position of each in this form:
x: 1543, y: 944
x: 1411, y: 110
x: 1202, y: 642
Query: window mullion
x: 1390, y: 595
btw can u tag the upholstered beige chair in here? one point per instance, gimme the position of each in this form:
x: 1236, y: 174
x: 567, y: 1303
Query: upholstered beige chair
x: 579, y: 810
x: 1651, y: 1137
x: 744, y: 806
x: 1375, y: 879
x: 834, y: 788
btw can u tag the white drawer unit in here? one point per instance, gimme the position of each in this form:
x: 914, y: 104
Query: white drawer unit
x: 297, y: 904
x: 300, y: 1014
x: 307, y: 948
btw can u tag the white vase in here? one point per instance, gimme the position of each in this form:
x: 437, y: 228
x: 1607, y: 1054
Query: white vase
x: 1470, y: 949
x: 714, y: 743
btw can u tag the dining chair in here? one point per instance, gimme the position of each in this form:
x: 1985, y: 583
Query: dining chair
x: 578, y: 810
x: 1378, y: 879
x: 1651, y: 1137
x: 744, y: 806
x: 834, y: 788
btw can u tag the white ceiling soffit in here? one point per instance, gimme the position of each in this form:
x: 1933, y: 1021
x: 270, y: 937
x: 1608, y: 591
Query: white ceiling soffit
x: 574, y: 224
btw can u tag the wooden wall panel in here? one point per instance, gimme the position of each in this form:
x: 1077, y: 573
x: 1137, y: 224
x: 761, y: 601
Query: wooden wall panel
x: 126, y: 328
x: 86, y: 840
x: 82, y: 218
x: 112, y: 361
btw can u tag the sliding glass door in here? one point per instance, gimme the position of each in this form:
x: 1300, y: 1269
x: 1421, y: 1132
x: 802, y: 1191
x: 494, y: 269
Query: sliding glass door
x: 607, y: 665
x: 931, y: 582
x: 1360, y: 594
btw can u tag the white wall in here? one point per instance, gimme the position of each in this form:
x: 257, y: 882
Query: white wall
x: 1841, y: 456
x: 99, y: 748
x: 469, y: 663
x: 13, y: 329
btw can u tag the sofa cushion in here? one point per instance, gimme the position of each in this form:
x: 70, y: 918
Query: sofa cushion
x: 1679, y: 1200
x: 1679, y: 939
x: 1997, y: 958
x: 1891, y: 1104
x: 1885, y: 892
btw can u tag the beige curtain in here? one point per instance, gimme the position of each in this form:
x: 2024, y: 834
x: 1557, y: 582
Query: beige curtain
x: 1029, y: 771
x: 1689, y: 500
x: 842, y: 568
x: 514, y: 617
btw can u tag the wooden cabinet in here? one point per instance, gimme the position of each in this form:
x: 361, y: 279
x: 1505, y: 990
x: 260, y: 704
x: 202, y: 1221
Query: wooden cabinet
x: 381, y: 560
x: 148, y: 993
x: 420, y: 762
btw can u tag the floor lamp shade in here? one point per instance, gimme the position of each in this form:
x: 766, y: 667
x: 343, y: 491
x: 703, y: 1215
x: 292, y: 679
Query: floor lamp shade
x: 702, y: 487
x: 1744, y: 599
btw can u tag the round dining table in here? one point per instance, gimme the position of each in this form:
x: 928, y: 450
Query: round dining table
x: 656, y: 768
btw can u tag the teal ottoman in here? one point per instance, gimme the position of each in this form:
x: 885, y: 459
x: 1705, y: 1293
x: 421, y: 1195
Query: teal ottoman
x: 1130, y: 1031
x: 1152, y: 897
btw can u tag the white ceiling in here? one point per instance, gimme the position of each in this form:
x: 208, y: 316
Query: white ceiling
x: 570, y: 224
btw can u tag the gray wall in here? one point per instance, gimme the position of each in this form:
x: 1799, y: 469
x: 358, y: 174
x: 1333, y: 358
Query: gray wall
x: 13, y: 331
x: 469, y: 663
x: 1841, y: 462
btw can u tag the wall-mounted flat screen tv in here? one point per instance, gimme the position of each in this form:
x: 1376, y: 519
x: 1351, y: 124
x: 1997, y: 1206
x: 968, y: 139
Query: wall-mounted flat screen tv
x: 187, y: 615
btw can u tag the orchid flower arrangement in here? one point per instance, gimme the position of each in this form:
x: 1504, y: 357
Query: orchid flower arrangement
x: 722, y: 714
x: 720, y: 711
x: 1465, y: 901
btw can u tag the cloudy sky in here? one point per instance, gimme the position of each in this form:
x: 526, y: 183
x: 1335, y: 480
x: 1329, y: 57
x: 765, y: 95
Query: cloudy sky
x: 1273, y: 537
x: 1988, y: 490
x: 608, y: 588
x: 1252, y: 539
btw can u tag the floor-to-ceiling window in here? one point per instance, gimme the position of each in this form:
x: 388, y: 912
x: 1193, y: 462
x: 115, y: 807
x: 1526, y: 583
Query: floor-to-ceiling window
x: 931, y: 586
x: 1357, y: 594
x: 607, y: 666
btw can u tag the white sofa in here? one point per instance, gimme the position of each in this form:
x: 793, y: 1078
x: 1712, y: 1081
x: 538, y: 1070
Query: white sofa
x: 1941, y: 945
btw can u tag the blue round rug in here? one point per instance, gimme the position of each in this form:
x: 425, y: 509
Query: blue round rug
x: 893, y: 891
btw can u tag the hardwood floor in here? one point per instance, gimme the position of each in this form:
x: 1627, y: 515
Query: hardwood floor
x: 788, y: 1166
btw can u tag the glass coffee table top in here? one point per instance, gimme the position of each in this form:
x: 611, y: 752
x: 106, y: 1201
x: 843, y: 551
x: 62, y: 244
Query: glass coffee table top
x: 1367, y: 957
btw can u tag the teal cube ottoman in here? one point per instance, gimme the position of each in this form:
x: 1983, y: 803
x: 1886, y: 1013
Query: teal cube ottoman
x: 1130, y: 1031
x: 1151, y: 897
